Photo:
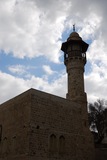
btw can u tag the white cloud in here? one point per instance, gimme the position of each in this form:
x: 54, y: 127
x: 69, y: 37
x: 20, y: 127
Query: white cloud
x: 29, y: 31
x: 21, y: 70
x: 96, y: 85
x: 10, y: 86
x: 18, y: 69
x: 48, y: 70
x: 96, y: 80
x: 90, y: 26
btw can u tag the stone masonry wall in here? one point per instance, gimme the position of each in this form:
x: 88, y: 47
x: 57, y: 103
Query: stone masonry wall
x: 14, y: 121
x: 75, y: 70
x: 41, y: 126
x: 53, y: 117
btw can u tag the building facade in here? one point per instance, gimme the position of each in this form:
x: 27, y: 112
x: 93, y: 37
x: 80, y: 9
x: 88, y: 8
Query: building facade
x: 40, y: 126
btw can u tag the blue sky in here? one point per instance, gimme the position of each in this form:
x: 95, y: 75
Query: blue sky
x: 31, y: 34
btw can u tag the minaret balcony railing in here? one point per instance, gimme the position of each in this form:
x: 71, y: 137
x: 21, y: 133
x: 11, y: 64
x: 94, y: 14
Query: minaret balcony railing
x: 74, y: 55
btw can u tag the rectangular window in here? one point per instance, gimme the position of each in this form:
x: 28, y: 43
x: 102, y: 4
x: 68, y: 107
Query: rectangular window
x: 0, y: 133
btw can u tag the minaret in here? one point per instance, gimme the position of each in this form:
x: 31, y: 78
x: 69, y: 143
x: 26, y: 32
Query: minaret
x: 75, y: 59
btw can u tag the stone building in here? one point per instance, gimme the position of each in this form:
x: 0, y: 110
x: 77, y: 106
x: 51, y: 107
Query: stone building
x: 40, y: 126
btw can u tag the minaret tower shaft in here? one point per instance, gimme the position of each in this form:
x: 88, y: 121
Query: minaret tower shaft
x: 75, y: 59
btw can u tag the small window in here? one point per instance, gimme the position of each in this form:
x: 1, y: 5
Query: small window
x: 85, y: 123
x: 0, y: 132
x: 61, y: 144
x: 83, y: 55
x: 53, y: 143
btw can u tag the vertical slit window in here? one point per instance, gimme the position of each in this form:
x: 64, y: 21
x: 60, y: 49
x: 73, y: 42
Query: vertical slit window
x: 0, y: 132
x: 61, y: 144
x: 53, y: 143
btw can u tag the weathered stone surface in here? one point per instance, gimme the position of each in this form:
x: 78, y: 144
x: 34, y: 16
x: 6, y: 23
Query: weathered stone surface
x: 29, y: 120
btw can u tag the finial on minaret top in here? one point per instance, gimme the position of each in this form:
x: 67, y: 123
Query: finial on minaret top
x: 73, y: 27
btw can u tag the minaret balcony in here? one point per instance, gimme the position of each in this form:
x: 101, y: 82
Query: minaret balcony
x: 74, y: 55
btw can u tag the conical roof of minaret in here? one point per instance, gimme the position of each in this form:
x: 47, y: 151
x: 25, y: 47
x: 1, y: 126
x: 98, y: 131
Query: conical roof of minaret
x: 74, y: 36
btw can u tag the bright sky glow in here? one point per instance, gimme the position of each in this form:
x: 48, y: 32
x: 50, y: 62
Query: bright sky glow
x: 31, y: 34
